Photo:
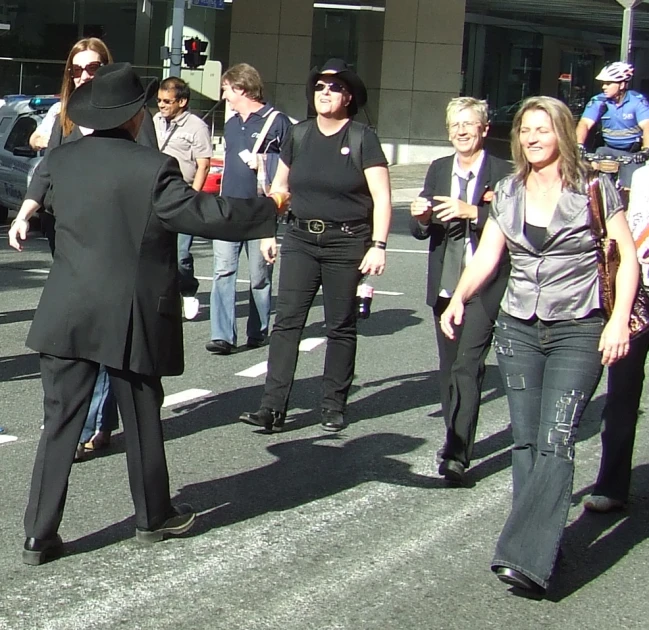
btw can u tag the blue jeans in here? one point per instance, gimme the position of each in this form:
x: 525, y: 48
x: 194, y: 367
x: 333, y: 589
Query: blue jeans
x: 187, y: 281
x: 550, y: 371
x: 223, y: 300
x: 102, y: 414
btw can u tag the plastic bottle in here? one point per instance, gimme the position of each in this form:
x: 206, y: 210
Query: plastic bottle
x: 364, y: 295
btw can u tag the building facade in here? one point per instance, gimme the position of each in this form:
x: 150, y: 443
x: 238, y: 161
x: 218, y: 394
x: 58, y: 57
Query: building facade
x: 414, y: 55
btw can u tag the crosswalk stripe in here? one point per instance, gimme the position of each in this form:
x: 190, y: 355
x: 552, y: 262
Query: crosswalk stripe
x: 306, y: 345
x: 7, y: 438
x: 255, y: 370
x: 185, y: 396
x: 210, y: 278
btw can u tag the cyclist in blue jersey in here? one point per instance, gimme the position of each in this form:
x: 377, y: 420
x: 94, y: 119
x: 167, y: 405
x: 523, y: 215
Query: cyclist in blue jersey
x: 624, y: 116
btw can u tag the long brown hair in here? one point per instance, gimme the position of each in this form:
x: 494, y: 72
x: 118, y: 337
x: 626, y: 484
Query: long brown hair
x: 571, y: 167
x: 67, y: 87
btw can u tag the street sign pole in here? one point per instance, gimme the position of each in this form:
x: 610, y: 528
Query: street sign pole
x: 177, y: 25
x: 627, y: 27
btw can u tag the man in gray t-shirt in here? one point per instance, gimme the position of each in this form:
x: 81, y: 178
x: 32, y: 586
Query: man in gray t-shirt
x: 186, y: 137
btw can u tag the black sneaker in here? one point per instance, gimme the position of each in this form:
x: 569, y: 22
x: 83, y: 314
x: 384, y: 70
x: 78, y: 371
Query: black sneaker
x: 270, y: 419
x: 332, y: 420
x: 181, y: 521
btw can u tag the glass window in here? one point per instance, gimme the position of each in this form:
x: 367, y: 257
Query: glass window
x: 20, y: 134
x: 5, y: 123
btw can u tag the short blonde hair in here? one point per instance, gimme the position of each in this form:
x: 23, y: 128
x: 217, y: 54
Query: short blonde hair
x: 571, y: 166
x: 461, y: 103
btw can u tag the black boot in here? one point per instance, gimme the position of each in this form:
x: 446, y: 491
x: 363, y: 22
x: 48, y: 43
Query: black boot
x: 332, y: 420
x: 271, y: 419
x: 41, y: 550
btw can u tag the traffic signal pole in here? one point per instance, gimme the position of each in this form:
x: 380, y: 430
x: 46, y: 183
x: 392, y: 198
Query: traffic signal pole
x: 627, y: 27
x: 178, y: 22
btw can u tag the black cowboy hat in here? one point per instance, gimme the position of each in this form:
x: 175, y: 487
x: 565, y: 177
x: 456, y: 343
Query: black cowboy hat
x: 113, y: 97
x: 339, y: 69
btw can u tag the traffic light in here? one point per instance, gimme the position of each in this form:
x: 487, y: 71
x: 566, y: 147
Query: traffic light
x: 193, y: 49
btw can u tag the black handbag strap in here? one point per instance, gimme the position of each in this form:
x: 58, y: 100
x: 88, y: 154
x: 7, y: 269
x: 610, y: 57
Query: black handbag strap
x: 596, y: 207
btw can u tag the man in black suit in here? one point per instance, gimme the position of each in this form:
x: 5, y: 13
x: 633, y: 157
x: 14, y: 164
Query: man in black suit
x: 451, y: 211
x: 112, y: 298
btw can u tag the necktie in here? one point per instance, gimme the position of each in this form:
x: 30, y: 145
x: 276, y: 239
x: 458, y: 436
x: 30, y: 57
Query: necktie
x: 455, y: 243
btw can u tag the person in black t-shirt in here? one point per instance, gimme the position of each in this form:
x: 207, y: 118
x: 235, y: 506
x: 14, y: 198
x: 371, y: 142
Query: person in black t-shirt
x: 337, y: 175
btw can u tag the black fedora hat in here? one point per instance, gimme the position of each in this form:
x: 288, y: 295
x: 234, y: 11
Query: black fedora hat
x: 114, y: 96
x: 339, y: 69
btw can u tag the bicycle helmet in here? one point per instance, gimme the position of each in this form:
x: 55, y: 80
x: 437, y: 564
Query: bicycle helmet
x: 616, y: 72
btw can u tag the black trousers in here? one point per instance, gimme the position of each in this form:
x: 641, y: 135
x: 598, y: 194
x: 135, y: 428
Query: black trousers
x: 67, y: 389
x: 620, y: 417
x: 461, y: 372
x: 309, y: 261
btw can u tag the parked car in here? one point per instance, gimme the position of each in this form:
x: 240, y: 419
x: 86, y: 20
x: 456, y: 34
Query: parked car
x: 213, y: 181
x: 19, y: 118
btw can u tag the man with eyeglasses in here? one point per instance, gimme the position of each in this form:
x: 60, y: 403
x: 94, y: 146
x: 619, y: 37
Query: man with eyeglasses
x: 186, y: 137
x: 451, y: 211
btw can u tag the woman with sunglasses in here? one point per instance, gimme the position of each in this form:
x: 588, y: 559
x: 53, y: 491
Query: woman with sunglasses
x: 337, y: 175
x: 83, y: 61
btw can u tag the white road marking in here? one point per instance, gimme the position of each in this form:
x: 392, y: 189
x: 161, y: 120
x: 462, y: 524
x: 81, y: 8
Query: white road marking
x: 387, y: 292
x: 7, y: 438
x: 306, y: 345
x: 210, y: 278
x: 255, y: 370
x: 186, y: 396
x: 408, y: 251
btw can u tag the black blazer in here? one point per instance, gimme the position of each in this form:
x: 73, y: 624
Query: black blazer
x: 112, y: 295
x: 40, y: 184
x: 438, y: 182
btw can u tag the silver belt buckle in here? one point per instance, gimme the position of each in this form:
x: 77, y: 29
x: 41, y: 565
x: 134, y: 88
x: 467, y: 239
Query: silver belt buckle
x: 315, y: 226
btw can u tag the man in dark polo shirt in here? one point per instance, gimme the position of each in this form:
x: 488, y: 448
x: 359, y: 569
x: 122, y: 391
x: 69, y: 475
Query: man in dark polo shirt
x: 253, y: 119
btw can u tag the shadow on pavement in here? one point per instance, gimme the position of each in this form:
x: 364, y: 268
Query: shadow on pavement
x: 306, y: 470
x: 20, y: 367
x: 590, y: 552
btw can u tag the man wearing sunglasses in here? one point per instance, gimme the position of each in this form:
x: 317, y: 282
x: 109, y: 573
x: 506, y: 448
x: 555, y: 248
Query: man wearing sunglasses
x: 186, y: 137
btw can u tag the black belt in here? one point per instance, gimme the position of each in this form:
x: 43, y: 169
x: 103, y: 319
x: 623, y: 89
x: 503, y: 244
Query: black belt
x: 318, y: 226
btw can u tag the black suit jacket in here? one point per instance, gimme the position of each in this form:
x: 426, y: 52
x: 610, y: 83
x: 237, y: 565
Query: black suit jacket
x: 112, y: 295
x: 438, y: 182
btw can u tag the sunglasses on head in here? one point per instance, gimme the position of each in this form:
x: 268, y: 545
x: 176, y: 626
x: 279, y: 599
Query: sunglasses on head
x: 333, y: 87
x: 91, y: 68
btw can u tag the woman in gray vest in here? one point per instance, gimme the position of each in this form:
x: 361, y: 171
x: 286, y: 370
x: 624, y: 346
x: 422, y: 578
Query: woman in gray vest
x: 551, y: 336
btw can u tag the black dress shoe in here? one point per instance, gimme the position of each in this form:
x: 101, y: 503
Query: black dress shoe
x: 40, y: 550
x: 219, y: 346
x: 332, y: 420
x: 178, y: 523
x: 271, y: 419
x: 452, y: 471
x: 515, y: 578
x: 254, y: 343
